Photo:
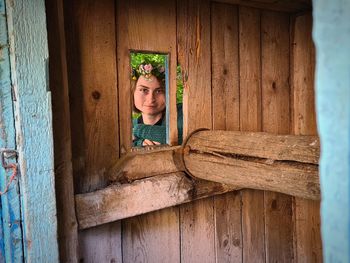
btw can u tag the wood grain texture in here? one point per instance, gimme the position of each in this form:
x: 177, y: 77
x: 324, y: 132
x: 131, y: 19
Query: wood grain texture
x: 146, y: 237
x: 67, y: 223
x: 276, y: 118
x: 228, y: 232
x: 225, y: 63
x: 132, y: 166
x: 225, y: 96
x: 308, y: 244
x: 193, y: 40
x: 101, y: 244
x: 91, y: 58
x: 142, y: 196
x: 253, y: 233
x: 93, y: 90
x: 197, y: 231
x: 290, y: 6
x: 11, y: 244
x: 33, y: 121
x: 297, y: 148
x: 193, y: 45
x: 290, y: 178
x: 144, y: 26
x: 121, y: 201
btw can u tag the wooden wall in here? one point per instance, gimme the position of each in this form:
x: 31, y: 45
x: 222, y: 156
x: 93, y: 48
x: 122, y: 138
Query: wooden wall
x: 246, y: 69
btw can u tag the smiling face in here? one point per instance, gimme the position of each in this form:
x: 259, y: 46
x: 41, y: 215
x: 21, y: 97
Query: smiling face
x: 149, y: 97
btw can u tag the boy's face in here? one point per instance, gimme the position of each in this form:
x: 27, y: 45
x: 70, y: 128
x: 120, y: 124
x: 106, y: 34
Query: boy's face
x: 149, y: 96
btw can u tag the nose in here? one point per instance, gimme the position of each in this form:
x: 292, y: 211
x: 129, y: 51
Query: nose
x: 151, y: 97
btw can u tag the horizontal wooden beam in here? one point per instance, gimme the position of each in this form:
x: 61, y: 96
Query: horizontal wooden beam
x: 142, y: 196
x: 304, y: 149
x: 286, y: 164
x: 133, y: 166
x: 218, y: 161
x: 289, y: 6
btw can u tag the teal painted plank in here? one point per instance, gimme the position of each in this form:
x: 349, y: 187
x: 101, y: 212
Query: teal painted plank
x: 28, y: 39
x: 332, y: 38
x: 10, y: 202
x: 2, y: 245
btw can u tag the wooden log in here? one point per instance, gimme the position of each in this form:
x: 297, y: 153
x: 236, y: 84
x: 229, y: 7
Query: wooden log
x: 304, y: 149
x: 247, y: 166
x: 122, y: 201
x: 289, y: 6
x: 132, y: 166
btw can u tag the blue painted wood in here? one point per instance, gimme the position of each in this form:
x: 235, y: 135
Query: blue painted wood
x: 332, y: 38
x: 10, y: 202
x: 2, y: 244
x: 28, y: 38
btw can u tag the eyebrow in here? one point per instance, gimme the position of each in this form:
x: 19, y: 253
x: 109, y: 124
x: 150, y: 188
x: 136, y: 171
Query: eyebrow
x: 145, y: 87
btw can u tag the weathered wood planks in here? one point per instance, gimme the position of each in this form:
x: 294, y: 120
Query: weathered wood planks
x: 224, y: 167
x: 253, y: 219
x: 92, y: 78
x: 225, y: 80
x: 142, y: 196
x: 307, y: 240
x: 302, y: 149
x: 132, y: 166
x: 286, y: 164
x: 290, y: 6
x: 194, y: 55
x: 276, y: 119
x: 67, y: 223
x: 146, y: 26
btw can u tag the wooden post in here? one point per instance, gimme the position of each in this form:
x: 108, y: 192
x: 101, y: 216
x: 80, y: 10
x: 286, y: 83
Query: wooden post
x: 67, y: 223
x: 29, y: 58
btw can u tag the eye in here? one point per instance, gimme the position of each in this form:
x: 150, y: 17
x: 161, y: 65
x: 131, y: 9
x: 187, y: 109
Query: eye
x: 159, y: 91
x: 143, y: 90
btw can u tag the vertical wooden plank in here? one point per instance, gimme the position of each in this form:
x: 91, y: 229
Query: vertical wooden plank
x: 144, y: 26
x: 332, y: 39
x: 101, y: 244
x: 276, y: 119
x: 146, y: 238
x: 10, y: 207
x: 253, y: 229
x: 27, y: 21
x: 91, y: 58
x: 193, y: 40
x: 197, y: 231
x: 225, y: 95
x: 308, y: 243
x: 67, y: 224
x: 225, y: 64
x: 147, y: 26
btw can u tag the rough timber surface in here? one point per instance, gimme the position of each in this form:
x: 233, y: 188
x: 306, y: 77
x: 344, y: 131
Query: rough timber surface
x: 92, y: 80
x: 193, y: 44
x: 307, y: 225
x: 225, y: 80
x: 67, y: 223
x: 29, y: 55
x: 253, y: 220
x: 276, y: 119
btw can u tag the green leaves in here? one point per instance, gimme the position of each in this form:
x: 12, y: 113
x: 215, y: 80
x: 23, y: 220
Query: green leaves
x: 150, y: 58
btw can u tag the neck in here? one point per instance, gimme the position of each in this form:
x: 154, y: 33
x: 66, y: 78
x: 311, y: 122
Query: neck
x: 151, y: 119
